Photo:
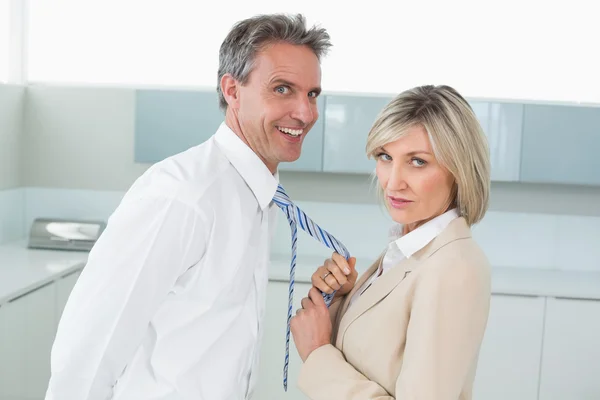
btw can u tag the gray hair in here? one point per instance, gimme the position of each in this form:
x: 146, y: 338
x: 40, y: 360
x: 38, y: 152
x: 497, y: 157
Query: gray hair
x: 458, y: 141
x: 248, y: 37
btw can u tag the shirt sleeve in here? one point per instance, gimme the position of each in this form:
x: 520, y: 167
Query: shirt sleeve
x: 147, y: 244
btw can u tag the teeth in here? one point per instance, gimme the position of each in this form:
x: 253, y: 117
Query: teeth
x: 293, y: 132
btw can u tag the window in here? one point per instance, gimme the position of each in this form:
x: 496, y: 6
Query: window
x: 530, y: 51
x: 133, y: 42
x: 4, y: 39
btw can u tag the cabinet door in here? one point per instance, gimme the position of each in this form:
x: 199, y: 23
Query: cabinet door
x: 311, y: 158
x: 509, y: 361
x: 270, y: 383
x: 560, y: 144
x: 348, y: 120
x: 40, y: 328
x: 11, y: 363
x: 29, y: 333
x: 502, y: 124
x: 168, y: 122
x: 571, y: 356
x: 64, y: 286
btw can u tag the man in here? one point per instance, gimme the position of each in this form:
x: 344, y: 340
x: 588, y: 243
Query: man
x: 170, y: 304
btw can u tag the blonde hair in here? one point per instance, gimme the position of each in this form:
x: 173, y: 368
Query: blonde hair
x: 458, y: 141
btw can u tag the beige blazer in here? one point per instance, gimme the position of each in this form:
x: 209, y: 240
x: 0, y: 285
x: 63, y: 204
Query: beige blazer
x: 414, y: 334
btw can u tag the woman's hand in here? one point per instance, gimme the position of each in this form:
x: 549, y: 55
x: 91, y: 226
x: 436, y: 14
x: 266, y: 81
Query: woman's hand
x: 336, y: 274
x: 311, y: 326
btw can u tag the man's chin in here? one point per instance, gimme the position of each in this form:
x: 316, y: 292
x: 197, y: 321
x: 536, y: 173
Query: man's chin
x: 290, y: 158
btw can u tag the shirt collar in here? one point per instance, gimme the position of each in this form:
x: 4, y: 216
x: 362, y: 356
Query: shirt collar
x: 414, y: 241
x: 251, y: 168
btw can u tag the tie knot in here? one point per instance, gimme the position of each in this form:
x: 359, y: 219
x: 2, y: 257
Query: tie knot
x: 281, y: 198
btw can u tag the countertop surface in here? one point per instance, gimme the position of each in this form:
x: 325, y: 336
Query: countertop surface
x: 505, y: 280
x: 23, y: 269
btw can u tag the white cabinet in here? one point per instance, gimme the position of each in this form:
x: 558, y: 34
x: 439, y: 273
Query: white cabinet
x: 270, y: 381
x: 40, y: 328
x: 9, y: 360
x: 571, y: 357
x: 28, y: 328
x: 509, y: 360
x: 64, y: 286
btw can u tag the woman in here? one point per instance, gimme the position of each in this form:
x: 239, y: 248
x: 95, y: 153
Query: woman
x: 412, y: 326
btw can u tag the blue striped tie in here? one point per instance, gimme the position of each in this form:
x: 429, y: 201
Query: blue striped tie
x: 297, y: 217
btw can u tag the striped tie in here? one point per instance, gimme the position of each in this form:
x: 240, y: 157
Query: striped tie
x: 297, y: 217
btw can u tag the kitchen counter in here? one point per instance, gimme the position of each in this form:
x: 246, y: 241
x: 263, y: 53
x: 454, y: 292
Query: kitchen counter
x: 505, y: 280
x: 22, y: 270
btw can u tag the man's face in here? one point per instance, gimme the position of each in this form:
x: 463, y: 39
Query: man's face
x: 278, y: 105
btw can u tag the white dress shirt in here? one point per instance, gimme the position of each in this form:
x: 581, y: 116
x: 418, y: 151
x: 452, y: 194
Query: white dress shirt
x: 402, y: 247
x: 171, y: 302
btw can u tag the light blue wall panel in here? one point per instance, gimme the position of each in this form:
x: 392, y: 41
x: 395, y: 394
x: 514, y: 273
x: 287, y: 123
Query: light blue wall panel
x: 168, y: 122
x: 348, y: 120
x: 311, y: 158
x: 528, y: 142
x: 561, y: 144
x: 502, y: 124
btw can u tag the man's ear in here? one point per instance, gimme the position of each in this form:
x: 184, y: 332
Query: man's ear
x: 231, y: 90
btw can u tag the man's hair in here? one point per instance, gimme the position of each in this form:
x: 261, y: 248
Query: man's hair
x: 248, y: 37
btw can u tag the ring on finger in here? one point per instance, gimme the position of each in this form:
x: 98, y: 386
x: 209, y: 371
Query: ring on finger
x: 326, y: 275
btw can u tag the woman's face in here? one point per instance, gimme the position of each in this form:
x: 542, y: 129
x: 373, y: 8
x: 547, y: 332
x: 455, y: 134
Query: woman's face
x: 416, y: 187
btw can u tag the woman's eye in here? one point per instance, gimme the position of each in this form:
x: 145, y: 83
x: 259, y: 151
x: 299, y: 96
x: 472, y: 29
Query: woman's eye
x: 384, y: 157
x: 417, y: 162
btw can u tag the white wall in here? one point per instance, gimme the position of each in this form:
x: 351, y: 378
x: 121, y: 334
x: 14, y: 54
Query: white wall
x: 79, y: 138
x: 484, y: 49
x: 11, y: 122
x: 4, y: 39
x: 11, y: 197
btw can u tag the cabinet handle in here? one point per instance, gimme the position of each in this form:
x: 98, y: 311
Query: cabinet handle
x: 577, y: 298
x: 534, y: 296
x: 30, y: 291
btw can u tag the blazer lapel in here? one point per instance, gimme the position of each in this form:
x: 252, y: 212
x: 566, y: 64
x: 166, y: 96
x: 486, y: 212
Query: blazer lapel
x: 359, y: 283
x: 372, y: 295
